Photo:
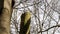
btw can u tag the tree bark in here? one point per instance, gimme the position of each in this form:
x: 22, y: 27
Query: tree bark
x: 5, y: 16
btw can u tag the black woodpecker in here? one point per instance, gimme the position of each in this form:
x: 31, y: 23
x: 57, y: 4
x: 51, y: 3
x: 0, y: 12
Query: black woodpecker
x: 25, y: 23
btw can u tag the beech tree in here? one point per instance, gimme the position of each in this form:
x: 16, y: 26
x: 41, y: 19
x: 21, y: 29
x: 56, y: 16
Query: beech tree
x: 5, y: 16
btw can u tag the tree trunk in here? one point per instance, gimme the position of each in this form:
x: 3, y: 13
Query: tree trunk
x: 5, y: 16
x: 25, y: 23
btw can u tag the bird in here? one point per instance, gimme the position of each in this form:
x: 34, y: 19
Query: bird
x: 25, y: 23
